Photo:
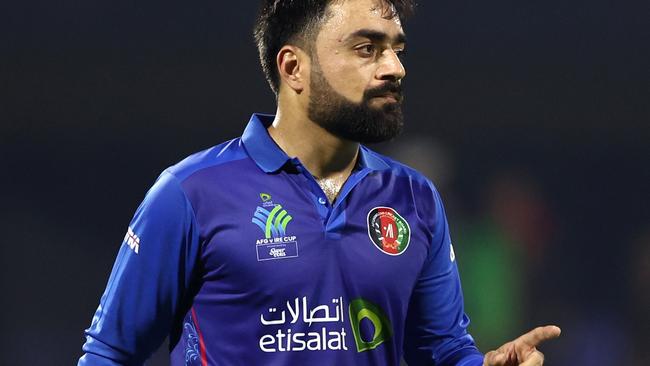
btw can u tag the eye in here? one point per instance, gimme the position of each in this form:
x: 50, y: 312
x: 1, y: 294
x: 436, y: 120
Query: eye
x: 400, y: 53
x: 367, y: 50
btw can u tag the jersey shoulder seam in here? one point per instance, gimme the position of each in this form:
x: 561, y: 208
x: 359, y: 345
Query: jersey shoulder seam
x: 209, y: 158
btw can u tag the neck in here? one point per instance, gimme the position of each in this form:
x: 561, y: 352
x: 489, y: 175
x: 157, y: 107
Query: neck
x: 323, y: 154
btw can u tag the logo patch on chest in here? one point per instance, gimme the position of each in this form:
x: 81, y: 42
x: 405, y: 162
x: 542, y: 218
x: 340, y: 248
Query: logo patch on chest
x: 273, y: 219
x: 389, y: 231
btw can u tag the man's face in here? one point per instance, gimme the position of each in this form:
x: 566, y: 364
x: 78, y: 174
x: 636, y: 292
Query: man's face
x: 355, y: 76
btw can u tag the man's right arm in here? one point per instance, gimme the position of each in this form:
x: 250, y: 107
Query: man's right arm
x: 150, y: 278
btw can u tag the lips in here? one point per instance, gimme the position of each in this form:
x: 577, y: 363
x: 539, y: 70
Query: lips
x: 389, y: 91
x: 390, y: 96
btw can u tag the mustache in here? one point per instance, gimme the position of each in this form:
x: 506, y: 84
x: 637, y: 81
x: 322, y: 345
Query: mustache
x: 388, y: 88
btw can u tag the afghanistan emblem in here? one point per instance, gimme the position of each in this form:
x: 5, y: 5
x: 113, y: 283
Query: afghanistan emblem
x: 388, y: 230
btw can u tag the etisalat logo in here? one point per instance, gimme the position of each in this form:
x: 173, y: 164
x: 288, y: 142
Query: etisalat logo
x: 328, y: 336
x: 273, y: 219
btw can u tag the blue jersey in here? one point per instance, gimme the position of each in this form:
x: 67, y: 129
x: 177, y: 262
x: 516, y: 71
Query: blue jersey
x: 237, y: 255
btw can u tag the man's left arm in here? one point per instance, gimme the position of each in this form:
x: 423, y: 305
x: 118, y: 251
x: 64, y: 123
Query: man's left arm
x: 436, y: 326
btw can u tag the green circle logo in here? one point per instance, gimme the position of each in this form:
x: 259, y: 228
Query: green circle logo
x: 388, y: 230
x: 360, y: 309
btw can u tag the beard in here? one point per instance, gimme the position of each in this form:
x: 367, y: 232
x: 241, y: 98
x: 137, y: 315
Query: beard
x: 359, y: 122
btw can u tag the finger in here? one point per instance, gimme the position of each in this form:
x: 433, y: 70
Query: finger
x: 534, y: 359
x: 494, y: 358
x: 540, y: 334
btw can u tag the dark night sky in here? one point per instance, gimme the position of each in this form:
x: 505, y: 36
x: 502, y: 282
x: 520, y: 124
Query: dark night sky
x: 99, y: 97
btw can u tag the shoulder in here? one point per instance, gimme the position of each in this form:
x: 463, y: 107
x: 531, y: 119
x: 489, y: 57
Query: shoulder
x: 399, y: 170
x: 213, y: 157
x: 409, y: 182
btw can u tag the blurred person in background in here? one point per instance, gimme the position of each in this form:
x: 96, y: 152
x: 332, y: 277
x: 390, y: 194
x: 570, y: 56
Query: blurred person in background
x: 504, y: 244
x: 501, y: 243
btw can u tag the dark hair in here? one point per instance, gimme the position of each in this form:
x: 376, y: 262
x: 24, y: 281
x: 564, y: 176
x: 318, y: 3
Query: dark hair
x: 281, y: 22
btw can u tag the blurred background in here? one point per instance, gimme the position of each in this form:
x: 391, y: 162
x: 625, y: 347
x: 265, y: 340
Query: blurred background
x: 531, y: 117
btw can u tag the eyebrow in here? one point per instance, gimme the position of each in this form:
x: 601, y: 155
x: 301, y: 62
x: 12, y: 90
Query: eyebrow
x: 376, y: 36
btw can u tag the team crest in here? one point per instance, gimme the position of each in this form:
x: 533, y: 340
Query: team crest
x: 388, y: 230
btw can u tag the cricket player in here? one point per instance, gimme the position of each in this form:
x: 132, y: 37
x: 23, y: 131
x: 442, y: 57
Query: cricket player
x: 295, y: 244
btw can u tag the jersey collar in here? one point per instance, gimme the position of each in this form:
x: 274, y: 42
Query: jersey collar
x: 260, y: 146
x: 270, y: 158
x: 370, y: 160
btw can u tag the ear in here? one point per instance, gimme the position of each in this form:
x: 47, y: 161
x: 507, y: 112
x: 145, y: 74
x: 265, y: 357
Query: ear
x: 291, y: 67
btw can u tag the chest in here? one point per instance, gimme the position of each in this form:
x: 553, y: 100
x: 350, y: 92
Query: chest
x: 277, y: 239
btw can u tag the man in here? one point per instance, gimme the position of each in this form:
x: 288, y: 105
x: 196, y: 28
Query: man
x: 324, y: 252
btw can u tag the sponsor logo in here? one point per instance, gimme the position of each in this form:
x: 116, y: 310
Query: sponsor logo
x: 278, y: 252
x: 318, y: 327
x: 277, y: 248
x: 132, y: 240
x: 301, y: 325
x: 265, y: 197
x: 361, y: 309
x: 273, y: 219
x: 388, y: 230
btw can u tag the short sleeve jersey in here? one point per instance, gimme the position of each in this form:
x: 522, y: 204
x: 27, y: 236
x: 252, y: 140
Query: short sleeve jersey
x: 238, y: 257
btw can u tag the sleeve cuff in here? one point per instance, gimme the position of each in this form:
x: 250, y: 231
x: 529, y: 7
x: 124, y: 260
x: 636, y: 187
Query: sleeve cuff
x: 465, y: 357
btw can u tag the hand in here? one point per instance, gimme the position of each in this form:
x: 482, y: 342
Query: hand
x: 522, y: 351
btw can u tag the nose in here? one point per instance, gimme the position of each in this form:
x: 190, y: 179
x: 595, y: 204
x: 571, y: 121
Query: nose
x: 391, y: 67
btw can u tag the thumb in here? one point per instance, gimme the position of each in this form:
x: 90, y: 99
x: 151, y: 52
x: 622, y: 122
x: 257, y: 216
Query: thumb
x: 535, y: 359
x: 494, y: 358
